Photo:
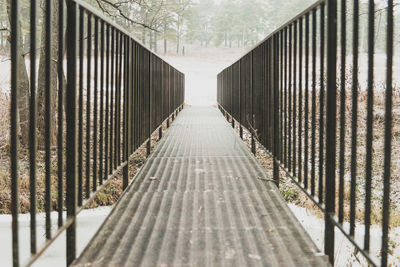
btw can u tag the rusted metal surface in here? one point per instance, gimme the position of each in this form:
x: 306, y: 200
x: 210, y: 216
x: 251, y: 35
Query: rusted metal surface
x: 202, y: 199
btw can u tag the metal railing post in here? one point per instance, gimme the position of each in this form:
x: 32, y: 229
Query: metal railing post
x: 148, y: 145
x: 253, y: 126
x: 330, y: 130
x: 275, y: 93
x: 70, y: 108
x: 14, y: 130
x: 126, y: 115
x: 388, y: 135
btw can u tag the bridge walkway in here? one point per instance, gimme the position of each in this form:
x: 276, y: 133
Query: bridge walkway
x: 201, y: 199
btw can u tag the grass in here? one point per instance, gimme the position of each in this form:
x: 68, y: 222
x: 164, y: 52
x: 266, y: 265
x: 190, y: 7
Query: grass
x: 293, y: 194
x: 107, y: 196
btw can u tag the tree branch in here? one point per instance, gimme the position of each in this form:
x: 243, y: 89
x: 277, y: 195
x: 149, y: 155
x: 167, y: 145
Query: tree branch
x: 120, y: 12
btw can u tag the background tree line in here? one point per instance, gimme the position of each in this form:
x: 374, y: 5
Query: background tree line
x: 166, y: 26
x: 169, y: 24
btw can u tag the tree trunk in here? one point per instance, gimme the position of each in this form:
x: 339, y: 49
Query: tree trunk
x: 23, y: 87
x: 151, y: 40
x: 177, y: 35
x: 42, y: 78
x: 2, y: 39
x: 144, y: 36
x: 165, y: 37
x: 226, y: 39
x: 155, y: 42
x: 177, y: 42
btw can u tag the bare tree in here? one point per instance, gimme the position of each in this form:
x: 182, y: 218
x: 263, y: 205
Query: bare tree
x: 53, y: 74
x: 23, y: 87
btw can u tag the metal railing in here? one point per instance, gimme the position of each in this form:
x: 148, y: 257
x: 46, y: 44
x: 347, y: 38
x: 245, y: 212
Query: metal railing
x: 117, y: 93
x: 284, y: 91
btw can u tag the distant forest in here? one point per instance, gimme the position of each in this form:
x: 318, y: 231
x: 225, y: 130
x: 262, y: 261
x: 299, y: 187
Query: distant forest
x: 167, y: 25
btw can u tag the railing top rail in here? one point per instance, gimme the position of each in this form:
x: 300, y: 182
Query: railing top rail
x: 283, y: 26
x: 88, y: 7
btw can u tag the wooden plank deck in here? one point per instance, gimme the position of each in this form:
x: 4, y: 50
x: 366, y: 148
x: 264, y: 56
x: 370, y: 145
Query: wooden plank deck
x: 201, y: 199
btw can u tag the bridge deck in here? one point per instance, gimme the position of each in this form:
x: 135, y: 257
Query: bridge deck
x: 200, y: 201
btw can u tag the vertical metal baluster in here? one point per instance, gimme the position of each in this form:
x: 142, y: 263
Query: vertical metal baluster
x: 330, y: 171
x: 130, y: 94
x: 32, y: 128
x: 264, y: 103
x: 101, y: 145
x: 342, y: 109
x: 126, y: 116
x: 121, y: 51
x: 232, y: 100
x: 369, y: 136
x: 142, y: 92
x: 140, y: 96
x: 306, y: 94
x: 116, y: 102
x: 240, y: 102
x: 290, y: 101
x: 111, y: 130
x: 107, y: 106
x: 270, y: 96
x: 149, y: 107
x: 253, y: 142
x: 136, y: 98
x: 281, y: 103
x: 388, y: 135
x: 95, y: 103
x: 294, y: 166
x: 14, y: 130
x: 160, y: 132
x: 313, y: 99
x: 88, y: 98
x: 60, y: 139
x: 70, y: 112
x: 276, y: 146
x: 172, y: 73
x: 132, y: 104
x: 168, y: 96
x: 286, y: 99
x: 300, y: 104
x: 48, y: 115
x: 321, y: 104
x: 272, y: 93
x: 266, y: 98
x: 354, y: 119
x: 145, y: 79
x: 80, y: 130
